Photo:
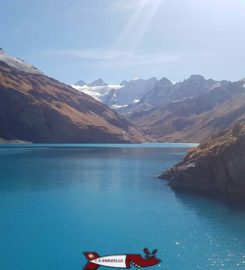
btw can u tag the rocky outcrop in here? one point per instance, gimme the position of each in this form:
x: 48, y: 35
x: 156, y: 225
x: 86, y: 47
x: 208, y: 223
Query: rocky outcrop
x: 215, y: 167
x: 2, y: 141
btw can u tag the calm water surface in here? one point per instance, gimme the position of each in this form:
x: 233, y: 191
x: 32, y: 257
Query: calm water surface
x: 57, y: 201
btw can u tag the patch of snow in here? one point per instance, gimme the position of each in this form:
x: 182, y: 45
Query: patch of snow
x: 190, y: 165
x: 181, y: 99
x: 136, y: 101
x: 115, y: 95
x: 97, y: 92
x: 119, y: 106
x: 18, y: 63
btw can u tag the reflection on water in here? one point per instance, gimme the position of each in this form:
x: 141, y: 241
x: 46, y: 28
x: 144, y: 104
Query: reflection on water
x: 57, y: 202
x: 57, y: 167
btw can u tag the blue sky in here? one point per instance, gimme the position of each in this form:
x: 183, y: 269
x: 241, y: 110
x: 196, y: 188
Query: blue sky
x: 124, y: 39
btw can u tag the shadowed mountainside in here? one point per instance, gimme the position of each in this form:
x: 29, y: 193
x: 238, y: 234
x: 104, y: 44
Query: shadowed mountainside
x: 37, y: 108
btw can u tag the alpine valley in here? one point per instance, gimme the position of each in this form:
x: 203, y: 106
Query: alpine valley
x: 188, y: 111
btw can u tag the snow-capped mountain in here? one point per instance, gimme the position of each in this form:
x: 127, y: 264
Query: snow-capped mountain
x: 98, y: 82
x: 140, y: 95
x: 117, y: 95
x: 99, y: 92
x: 80, y: 83
x: 18, y: 63
x: 132, y: 92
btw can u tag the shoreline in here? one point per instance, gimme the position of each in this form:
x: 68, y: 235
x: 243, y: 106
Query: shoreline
x: 98, y: 145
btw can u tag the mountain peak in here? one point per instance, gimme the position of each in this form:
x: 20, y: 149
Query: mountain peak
x: 124, y: 82
x: 164, y: 79
x: 153, y: 79
x: 134, y: 80
x: 164, y: 82
x: 98, y: 82
x: 196, y: 77
x: 17, y: 63
x: 80, y: 83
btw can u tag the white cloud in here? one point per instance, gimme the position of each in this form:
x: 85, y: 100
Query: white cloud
x: 117, y: 58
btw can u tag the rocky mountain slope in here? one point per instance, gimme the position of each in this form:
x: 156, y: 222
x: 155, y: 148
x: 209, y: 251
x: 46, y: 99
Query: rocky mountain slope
x: 215, y: 167
x: 37, y: 108
x: 194, y: 119
x: 166, y: 92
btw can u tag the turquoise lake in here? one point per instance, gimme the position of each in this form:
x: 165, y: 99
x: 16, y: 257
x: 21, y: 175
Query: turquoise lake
x: 57, y: 201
